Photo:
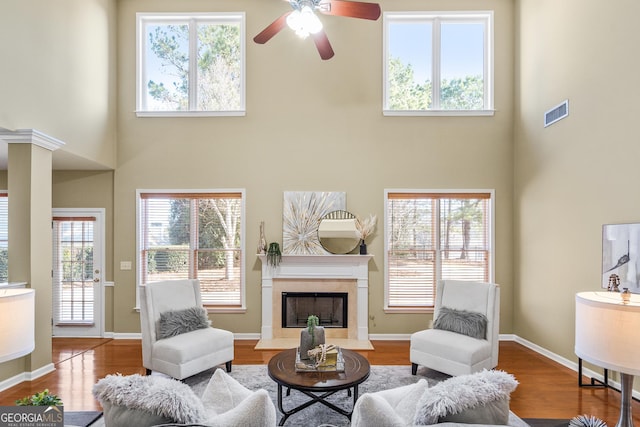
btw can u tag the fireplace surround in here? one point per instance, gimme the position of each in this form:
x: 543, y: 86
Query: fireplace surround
x: 316, y: 273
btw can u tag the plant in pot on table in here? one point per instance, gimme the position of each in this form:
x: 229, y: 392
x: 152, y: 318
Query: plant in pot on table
x: 311, y: 337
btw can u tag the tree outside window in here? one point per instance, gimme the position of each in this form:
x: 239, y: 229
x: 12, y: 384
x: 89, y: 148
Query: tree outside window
x: 194, y: 236
x: 191, y: 63
x: 434, y: 236
x: 438, y: 62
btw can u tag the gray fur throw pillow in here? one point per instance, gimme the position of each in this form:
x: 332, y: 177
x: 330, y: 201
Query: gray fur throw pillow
x: 462, y: 322
x: 153, y: 394
x: 481, y: 398
x: 176, y: 322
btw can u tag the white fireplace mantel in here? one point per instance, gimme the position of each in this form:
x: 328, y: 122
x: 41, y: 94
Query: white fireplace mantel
x: 354, y: 267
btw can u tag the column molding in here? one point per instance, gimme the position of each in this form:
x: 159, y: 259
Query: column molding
x: 30, y: 136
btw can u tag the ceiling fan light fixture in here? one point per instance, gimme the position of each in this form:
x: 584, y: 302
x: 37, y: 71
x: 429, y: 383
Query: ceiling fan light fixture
x: 304, y: 22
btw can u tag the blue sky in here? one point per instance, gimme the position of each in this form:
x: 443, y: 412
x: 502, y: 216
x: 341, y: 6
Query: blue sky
x: 462, y: 48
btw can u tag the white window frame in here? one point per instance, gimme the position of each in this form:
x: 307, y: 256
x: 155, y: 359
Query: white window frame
x: 212, y: 309
x: 215, y: 17
x: 436, y: 18
x: 5, y: 220
x: 491, y: 265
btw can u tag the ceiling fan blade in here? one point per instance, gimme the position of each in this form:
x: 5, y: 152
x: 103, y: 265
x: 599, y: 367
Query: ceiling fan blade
x: 351, y: 9
x: 272, y: 29
x: 322, y: 43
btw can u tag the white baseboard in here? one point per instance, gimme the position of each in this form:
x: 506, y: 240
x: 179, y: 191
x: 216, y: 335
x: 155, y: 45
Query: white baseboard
x: 138, y: 336
x: 26, y: 376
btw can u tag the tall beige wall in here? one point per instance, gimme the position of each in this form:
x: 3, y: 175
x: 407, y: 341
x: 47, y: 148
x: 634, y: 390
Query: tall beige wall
x: 58, y: 73
x: 311, y: 126
x: 580, y: 173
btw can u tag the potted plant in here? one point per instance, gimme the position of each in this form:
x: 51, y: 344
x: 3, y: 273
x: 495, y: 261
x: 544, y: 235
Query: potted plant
x: 44, y: 398
x: 273, y: 254
x: 311, y: 336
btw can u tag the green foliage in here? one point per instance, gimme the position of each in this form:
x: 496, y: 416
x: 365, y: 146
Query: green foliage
x: 44, y: 398
x: 274, y: 256
x: 77, y: 265
x: 312, y: 322
x: 4, y: 265
x: 406, y: 94
x: 217, y: 225
x: 462, y: 94
x: 173, y: 261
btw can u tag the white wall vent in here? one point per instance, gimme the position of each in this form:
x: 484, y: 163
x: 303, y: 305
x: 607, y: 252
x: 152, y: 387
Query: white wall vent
x: 558, y: 112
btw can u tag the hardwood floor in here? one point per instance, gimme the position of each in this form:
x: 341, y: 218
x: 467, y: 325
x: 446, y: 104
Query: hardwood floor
x: 546, y: 390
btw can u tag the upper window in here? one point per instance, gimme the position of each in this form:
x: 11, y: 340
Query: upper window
x: 432, y: 236
x: 438, y: 63
x: 190, y: 64
x: 194, y: 235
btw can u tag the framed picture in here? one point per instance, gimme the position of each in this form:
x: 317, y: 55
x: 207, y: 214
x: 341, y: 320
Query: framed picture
x: 302, y: 212
x: 620, y: 251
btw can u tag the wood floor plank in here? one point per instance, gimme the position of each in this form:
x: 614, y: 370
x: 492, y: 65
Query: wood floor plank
x: 546, y: 390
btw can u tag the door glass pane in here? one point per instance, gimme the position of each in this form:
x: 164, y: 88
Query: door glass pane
x: 73, y: 272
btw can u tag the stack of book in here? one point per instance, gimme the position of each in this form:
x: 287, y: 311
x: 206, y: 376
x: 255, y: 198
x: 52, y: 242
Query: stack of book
x: 332, y: 363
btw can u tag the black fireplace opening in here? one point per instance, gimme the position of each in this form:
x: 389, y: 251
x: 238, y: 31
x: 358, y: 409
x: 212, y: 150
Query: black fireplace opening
x: 330, y: 307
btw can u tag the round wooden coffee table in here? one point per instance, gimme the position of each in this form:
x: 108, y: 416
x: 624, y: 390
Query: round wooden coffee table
x: 317, y: 385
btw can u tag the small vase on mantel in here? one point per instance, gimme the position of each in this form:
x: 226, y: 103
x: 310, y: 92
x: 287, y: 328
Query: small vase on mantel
x: 311, y: 337
x: 262, y: 241
x: 363, y: 247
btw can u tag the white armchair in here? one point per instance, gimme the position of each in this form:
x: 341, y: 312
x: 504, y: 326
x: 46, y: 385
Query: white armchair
x: 456, y: 353
x: 196, y: 346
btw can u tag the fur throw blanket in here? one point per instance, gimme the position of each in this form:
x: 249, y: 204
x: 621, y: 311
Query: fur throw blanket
x: 458, y: 394
x: 155, y: 394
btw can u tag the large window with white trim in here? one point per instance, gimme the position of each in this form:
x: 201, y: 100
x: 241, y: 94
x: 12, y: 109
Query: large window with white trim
x: 431, y: 235
x: 438, y: 63
x: 194, y: 235
x: 190, y: 64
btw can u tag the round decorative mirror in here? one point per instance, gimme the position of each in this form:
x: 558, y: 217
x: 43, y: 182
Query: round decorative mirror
x: 337, y: 232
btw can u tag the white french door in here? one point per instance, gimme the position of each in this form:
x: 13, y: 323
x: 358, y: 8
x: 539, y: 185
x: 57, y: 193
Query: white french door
x: 77, y: 280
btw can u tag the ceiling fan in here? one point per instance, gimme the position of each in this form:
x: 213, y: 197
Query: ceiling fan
x: 304, y: 21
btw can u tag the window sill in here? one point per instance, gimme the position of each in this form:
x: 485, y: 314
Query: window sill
x: 223, y: 310
x: 438, y: 113
x: 408, y: 310
x: 213, y: 309
x: 238, y: 113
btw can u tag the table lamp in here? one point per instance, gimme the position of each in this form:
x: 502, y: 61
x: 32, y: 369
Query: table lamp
x: 608, y: 335
x: 17, y: 323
